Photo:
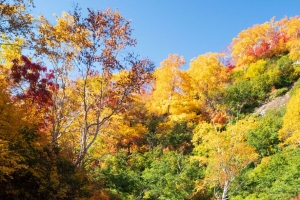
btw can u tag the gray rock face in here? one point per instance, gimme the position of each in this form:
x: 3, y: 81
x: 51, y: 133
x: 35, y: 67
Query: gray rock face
x: 276, y: 103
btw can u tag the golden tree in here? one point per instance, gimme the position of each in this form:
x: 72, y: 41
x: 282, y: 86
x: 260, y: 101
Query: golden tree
x: 207, y: 78
x: 106, y: 78
x: 225, y: 153
x: 167, y: 92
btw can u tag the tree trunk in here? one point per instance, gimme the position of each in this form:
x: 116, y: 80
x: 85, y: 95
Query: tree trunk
x: 225, y: 191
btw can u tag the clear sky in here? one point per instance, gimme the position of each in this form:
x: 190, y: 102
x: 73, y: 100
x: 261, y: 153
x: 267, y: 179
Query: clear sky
x: 186, y: 27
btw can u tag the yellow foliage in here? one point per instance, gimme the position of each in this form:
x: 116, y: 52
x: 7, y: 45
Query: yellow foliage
x: 119, y: 128
x: 263, y: 40
x: 207, y: 72
x: 206, y: 79
x: 14, y: 17
x: 255, y: 69
x: 290, y: 131
x: 292, y: 28
x: 172, y: 89
x: 10, y: 50
x: 65, y: 35
x: 226, y: 152
x: 248, y: 39
x: 167, y: 93
x: 10, y: 123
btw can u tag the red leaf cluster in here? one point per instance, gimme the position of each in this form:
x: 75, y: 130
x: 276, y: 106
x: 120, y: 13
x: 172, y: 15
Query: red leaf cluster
x: 268, y: 48
x: 35, y: 83
x: 229, y: 65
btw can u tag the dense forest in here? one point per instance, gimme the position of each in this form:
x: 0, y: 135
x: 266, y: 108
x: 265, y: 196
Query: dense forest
x: 83, y: 117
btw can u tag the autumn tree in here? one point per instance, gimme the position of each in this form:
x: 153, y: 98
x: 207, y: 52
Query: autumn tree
x: 29, y: 166
x: 16, y: 20
x: 167, y: 93
x: 260, y: 41
x: 125, y: 131
x: 32, y: 81
x: 10, y: 50
x: 207, y: 78
x: 106, y: 78
x: 292, y: 27
x: 10, y: 123
x: 224, y: 152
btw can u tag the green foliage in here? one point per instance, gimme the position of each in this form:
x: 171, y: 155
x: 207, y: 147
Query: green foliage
x: 295, y: 87
x: 175, y: 136
x: 260, y: 87
x: 286, y: 70
x: 154, y: 174
x: 250, y: 89
x: 264, y: 138
x: 171, y: 176
x: 238, y: 96
x: 275, y: 178
x: 152, y: 138
x: 120, y: 174
x: 180, y: 137
x: 279, y: 92
x: 281, y: 72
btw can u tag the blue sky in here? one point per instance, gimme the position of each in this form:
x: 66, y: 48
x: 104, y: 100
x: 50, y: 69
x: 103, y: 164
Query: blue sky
x: 186, y: 27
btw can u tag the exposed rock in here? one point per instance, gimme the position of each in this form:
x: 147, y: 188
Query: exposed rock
x: 276, y: 103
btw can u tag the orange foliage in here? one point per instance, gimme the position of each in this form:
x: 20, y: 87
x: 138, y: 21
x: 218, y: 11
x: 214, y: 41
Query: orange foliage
x: 260, y: 41
x: 220, y: 118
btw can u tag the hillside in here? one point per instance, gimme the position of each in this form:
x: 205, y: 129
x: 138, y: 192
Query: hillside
x: 274, y: 104
x: 100, y: 123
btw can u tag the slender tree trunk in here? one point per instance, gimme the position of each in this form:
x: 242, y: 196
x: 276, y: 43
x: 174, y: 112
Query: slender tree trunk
x: 225, y: 191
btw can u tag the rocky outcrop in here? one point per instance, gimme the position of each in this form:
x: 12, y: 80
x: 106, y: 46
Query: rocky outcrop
x: 276, y: 103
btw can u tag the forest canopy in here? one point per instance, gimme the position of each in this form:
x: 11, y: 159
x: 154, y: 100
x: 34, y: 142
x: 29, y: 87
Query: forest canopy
x: 84, y: 117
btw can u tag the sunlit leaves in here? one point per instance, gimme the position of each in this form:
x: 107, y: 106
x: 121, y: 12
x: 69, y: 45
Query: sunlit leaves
x: 63, y: 40
x: 292, y: 27
x: 290, y: 132
x: 255, y: 69
x: 32, y: 82
x: 207, y: 79
x: 15, y: 20
x: 130, y: 128
x: 244, y: 46
x: 105, y: 81
x: 167, y: 90
x: 9, y: 51
x: 260, y: 41
x: 224, y: 152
